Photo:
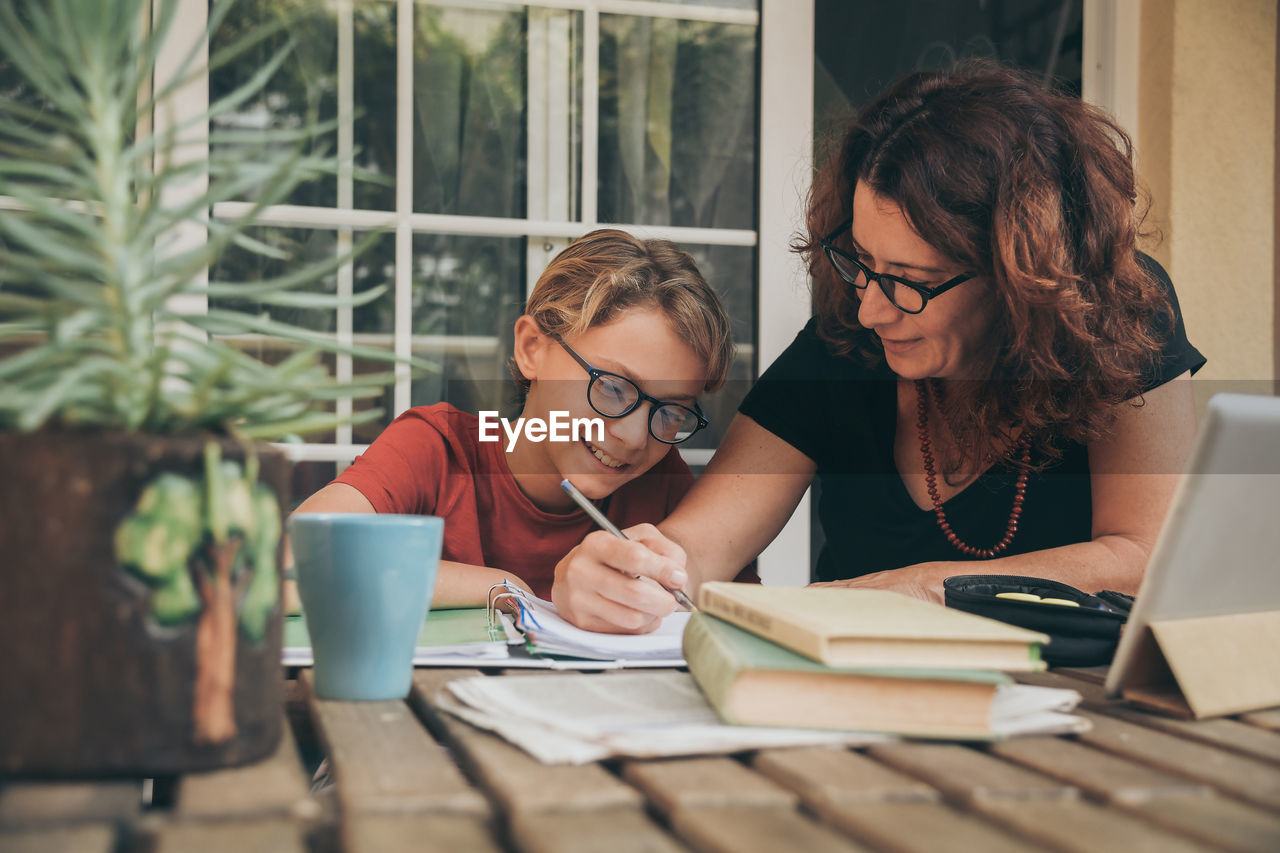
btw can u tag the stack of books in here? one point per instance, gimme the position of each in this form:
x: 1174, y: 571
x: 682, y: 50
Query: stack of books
x: 867, y: 660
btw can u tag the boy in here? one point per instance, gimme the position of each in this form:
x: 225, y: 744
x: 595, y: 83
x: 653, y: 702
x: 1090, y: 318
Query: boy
x: 620, y: 335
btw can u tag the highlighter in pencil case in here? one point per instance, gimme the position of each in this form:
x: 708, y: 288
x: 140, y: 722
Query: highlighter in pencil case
x: 1083, y: 635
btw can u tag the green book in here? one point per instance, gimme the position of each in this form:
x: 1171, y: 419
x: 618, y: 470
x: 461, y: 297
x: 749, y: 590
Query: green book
x: 462, y: 633
x: 752, y: 681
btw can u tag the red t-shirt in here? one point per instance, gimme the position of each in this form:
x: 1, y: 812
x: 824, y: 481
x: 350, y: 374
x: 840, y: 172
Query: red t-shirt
x: 430, y: 461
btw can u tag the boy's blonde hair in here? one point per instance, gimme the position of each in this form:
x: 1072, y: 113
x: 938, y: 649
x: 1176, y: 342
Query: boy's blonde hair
x: 608, y: 271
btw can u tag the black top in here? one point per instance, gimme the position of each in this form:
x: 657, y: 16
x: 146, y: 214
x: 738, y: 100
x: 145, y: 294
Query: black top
x: 842, y: 414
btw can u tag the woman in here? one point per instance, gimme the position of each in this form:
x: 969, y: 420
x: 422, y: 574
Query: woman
x: 994, y: 373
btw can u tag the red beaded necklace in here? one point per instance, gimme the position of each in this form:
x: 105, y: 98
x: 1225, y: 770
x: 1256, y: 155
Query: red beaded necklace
x: 931, y: 480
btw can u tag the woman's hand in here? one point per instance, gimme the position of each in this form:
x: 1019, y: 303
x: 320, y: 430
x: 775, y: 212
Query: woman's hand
x: 923, y: 580
x: 621, y: 586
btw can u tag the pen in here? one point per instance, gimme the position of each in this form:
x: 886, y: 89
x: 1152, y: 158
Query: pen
x: 605, y: 524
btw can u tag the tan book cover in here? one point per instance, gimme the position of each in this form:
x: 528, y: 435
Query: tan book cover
x: 751, y: 681
x: 871, y: 627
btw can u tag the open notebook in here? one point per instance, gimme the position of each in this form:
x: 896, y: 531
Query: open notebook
x: 547, y: 633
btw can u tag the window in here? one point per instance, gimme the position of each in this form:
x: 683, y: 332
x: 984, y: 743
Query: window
x: 482, y: 138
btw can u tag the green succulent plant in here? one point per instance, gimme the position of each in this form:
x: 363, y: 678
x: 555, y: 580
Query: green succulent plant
x: 91, y: 267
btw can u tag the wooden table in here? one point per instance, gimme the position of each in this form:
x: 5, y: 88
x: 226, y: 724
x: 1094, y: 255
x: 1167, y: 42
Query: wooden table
x: 409, y: 778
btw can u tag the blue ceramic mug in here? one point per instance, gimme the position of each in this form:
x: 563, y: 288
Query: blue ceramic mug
x: 366, y: 582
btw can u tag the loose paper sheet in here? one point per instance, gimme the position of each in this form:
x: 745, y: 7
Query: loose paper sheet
x: 1025, y: 709
x: 576, y: 719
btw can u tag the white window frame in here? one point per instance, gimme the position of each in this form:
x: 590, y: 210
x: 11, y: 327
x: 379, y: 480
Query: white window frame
x: 1110, y: 72
x: 785, y: 167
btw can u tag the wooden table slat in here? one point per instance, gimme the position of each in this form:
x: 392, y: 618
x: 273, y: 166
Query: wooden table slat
x: 88, y: 838
x: 275, y: 786
x: 615, y: 831
x: 1220, y: 822
x: 382, y: 760
x: 920, y: 828
x: 1091, y: 674
x: 1083, y: 827
x: 1266, y: 719
x: 966, y: 775
x: 271, y: 835
x: 46, y: 802
x: 1234, y: 735
x: 1100, y: 774
x: 1255, y: 781
x: 515, y: 779
x: 839, y: 775
x: 436, y: 833
x: 748, y: 830
x: 716, y: 782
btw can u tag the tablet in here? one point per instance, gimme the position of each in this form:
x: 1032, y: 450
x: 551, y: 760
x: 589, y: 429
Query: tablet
x: 1217, y: 555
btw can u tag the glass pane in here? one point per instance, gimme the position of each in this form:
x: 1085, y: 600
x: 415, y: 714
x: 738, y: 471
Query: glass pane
x: 14, y: 85
x: 298, y: 246
x: 677, y: 122
x: 374, y: 94
x: 307, y: 246
x: 17, y: 94
x: 861, y: 48
x: 306, y: 479
x: 469, y: 72
x: 306, y: 81
x: 731, y: 271
x: 467, y: 294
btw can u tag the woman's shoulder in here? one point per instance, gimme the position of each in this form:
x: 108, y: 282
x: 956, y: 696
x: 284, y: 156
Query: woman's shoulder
x: 1177, y: 354
x: 1156, y: 270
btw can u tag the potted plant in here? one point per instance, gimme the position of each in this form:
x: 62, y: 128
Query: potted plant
x: 140, y: 521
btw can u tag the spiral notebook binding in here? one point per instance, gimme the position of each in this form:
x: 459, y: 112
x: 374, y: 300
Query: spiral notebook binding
x: 518, y: 596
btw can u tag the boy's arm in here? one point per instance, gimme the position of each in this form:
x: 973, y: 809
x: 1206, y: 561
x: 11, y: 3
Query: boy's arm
x: 465, y: 585
x: 457, y: 585
x: 335, y: 497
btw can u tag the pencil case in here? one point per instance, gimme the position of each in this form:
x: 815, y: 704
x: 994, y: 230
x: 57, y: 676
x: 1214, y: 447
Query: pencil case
x: 1082, y: 635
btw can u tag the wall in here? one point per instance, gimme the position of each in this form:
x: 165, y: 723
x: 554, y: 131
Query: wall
x: 1207, y: 134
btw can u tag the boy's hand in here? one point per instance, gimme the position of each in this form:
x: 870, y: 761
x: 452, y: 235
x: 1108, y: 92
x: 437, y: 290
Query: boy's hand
x: 621, y: 586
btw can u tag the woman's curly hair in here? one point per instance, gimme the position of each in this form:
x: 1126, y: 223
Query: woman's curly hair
x: 1033, y: 191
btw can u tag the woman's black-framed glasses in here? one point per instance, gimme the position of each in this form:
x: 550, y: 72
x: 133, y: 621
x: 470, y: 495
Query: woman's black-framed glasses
x: 907, y: 296
x: 615, y: 396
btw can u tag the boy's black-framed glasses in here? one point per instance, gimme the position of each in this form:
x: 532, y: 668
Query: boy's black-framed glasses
x: 907, y: 296
x: 615, y: 396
